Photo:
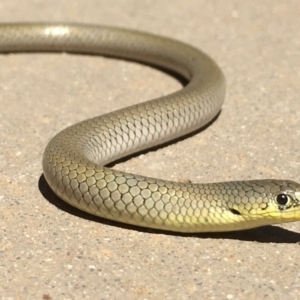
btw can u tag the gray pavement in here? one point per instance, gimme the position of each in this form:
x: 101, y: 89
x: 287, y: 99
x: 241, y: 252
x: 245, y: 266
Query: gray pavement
x: 49, y: 251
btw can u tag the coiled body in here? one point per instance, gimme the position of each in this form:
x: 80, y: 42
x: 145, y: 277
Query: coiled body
x: 74, y: 159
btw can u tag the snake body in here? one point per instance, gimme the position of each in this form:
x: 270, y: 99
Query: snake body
x: 74, y: 160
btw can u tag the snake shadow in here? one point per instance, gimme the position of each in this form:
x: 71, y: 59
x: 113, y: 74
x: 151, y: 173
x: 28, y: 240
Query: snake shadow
x: 266, y: 234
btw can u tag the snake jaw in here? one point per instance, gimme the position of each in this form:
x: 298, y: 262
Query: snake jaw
x: 284, y: 212
x: 291, y: 211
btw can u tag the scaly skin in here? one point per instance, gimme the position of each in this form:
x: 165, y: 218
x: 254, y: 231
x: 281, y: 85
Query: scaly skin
x: 74, y: 159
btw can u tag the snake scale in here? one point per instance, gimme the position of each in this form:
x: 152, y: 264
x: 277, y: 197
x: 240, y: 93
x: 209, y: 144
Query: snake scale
x: 74, y: 160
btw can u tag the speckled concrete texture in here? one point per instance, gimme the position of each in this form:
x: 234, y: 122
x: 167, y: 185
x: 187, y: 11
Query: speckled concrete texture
x: 50, y: 251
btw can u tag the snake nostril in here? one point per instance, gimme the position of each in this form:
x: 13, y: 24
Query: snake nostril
x: 235, y: 212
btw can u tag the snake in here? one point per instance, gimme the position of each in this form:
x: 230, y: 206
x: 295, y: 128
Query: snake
x: 75, y: 160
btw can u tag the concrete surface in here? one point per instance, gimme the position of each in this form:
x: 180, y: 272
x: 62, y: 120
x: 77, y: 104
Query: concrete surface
x: 49, y: 251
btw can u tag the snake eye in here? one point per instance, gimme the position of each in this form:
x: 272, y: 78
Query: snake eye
x: 282, y: 199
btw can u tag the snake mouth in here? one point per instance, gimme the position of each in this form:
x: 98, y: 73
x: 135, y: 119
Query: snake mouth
x: 286, y: 215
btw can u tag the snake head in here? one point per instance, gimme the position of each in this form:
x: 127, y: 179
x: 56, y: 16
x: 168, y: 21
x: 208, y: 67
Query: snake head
x: 284, y: 202
x: 268, y: 202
